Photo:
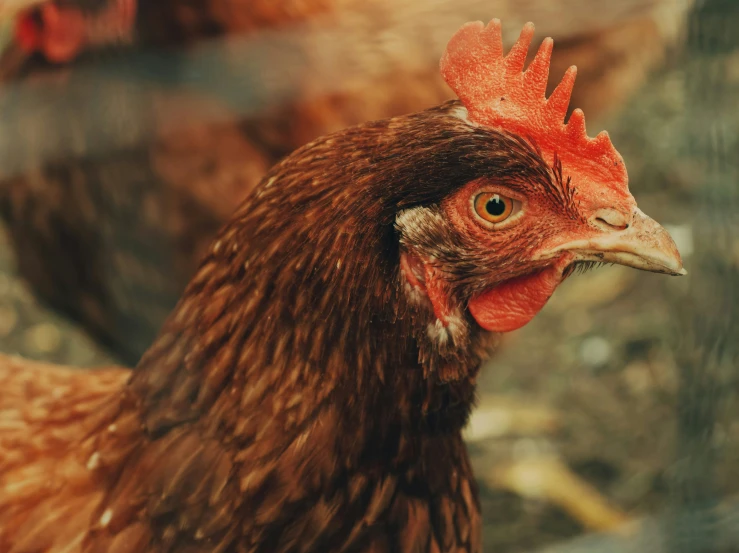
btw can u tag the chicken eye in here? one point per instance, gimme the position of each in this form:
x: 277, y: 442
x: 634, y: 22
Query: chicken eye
x: 492, y: 207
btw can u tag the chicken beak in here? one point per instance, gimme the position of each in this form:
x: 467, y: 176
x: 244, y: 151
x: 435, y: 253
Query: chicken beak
x: 643, y: 244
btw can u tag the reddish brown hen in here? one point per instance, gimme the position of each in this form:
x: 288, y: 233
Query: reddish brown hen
x: 114, y: 183
x: 309, y: 389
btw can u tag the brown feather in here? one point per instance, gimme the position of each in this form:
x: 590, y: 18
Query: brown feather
x: 113, y: 209
x: 264, y: 417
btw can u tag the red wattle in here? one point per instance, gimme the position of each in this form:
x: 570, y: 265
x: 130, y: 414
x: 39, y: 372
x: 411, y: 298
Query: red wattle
x: 514, y: 303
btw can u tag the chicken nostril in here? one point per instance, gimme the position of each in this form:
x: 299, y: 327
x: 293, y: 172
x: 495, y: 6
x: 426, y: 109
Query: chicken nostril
x: 608, y: 226
x: 610, y: 220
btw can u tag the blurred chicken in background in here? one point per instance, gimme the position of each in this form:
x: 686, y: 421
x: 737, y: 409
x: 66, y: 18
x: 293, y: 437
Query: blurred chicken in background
x: 130, y: 131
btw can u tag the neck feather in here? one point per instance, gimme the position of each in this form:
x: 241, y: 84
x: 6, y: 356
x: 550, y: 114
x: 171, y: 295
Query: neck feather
x: 299, y: 303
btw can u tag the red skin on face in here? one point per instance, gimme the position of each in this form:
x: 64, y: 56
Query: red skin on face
x: 498, y: 93
x: 513, y: 303
x: 423, y: 277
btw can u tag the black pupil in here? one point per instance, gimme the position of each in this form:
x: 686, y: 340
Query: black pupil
x: 495, y: 207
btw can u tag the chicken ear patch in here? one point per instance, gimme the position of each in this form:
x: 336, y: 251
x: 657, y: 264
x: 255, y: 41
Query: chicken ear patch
x: 512, y: 304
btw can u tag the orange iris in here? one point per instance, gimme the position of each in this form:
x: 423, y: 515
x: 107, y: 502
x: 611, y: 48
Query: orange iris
x: 492, y: 207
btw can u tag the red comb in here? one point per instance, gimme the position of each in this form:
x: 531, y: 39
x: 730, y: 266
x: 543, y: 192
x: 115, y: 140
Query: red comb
x: 499, y: 94
x: 27, y: 34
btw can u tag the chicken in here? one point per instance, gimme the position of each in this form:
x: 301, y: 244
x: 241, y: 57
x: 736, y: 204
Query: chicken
x: 114, y: 184
x: 309, y: 390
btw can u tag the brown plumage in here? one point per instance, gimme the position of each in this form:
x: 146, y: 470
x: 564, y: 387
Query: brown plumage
x: 309, y: 390
x: 112, y: 189
x: 283, y: 404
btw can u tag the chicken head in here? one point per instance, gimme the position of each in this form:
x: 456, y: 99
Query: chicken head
x: 498, y: 247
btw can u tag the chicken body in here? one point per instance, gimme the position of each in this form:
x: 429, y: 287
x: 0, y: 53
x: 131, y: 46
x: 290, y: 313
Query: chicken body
x: 308, y: 392
x: 283, y: 407
x: 79, y: 473
x: 112, y: 209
